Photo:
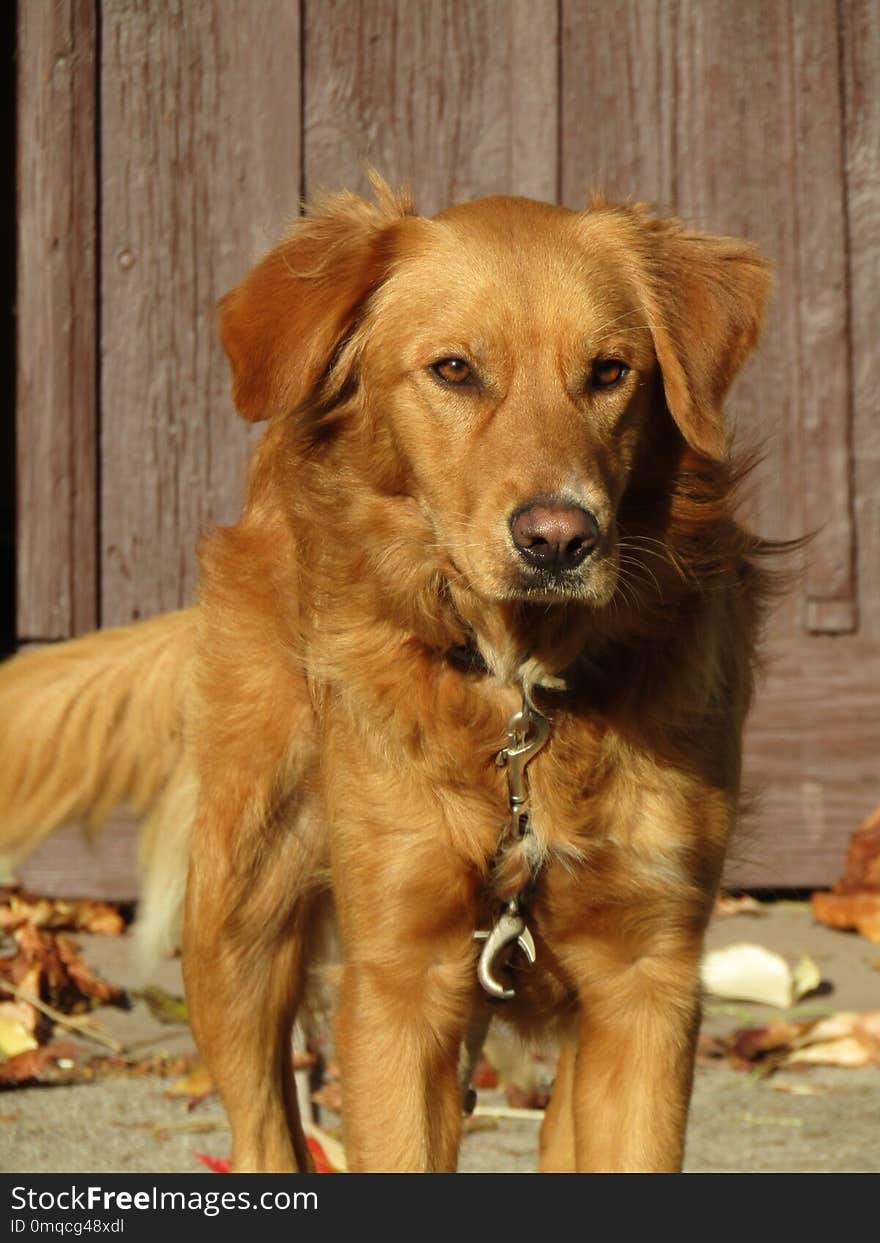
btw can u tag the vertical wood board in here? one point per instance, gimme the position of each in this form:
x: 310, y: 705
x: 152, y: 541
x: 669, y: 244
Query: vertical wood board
x: 200, y: 169
x: 618, y: 96
x: 860, y: 47
x: 56, y: 316
x: 457, y: 98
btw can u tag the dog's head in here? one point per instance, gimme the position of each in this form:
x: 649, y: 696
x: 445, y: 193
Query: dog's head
x: 509, y: 366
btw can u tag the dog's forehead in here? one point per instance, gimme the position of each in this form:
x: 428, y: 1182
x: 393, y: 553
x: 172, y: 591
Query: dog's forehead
x: 515, y: 261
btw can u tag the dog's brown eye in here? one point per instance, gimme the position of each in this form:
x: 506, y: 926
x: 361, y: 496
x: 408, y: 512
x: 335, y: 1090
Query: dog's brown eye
x: 453, y: 371
x: 607, y: 372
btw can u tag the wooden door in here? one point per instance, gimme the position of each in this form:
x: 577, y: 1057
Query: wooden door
x: 163, y: 144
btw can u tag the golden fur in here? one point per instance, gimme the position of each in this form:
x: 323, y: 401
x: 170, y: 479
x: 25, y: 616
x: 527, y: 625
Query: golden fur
x: 313, y: 710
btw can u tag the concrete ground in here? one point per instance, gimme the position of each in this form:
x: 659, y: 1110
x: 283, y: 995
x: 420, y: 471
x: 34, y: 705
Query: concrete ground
x: 798, y: 1120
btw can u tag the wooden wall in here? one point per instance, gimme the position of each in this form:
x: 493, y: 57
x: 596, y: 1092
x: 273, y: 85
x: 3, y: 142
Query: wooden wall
x: 164, y: 142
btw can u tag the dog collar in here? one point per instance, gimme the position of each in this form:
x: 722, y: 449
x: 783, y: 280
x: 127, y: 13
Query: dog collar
x: 467, y: 657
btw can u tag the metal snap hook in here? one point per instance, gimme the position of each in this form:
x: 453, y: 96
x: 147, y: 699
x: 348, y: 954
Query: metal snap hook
x: 509, y: 929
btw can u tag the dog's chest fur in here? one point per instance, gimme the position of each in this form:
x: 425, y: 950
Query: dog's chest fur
x: 411, y: 774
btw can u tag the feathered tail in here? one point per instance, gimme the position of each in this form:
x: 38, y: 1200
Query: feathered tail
x: 95, y: 723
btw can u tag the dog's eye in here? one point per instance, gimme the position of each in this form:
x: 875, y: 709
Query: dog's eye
x: 607, y: 372
x: 453, y: 371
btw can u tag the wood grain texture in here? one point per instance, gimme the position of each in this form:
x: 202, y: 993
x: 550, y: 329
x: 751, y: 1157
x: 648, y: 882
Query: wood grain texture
x: 738, y: 174
x: 685, y: 105
x: 756, y: 119
x: 732, y: 114
x: 826, y: 397
x: 68, y: 865
x: 458, y: 98
x: 811, y: 761
x: 860, y: 39
x: 619, y: 65
x: 56, y: 315
x: 201, y: 168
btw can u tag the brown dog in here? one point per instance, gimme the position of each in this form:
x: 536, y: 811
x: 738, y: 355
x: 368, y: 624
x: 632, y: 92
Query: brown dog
x: 491, y: 513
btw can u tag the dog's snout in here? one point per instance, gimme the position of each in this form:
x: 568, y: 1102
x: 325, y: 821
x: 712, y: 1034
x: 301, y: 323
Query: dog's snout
x: 553, y: 534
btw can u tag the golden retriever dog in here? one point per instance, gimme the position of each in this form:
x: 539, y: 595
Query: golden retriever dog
x: 472, y: 666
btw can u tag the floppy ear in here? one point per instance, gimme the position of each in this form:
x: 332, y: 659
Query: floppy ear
x: 707, y: 301
x: 281, y: 326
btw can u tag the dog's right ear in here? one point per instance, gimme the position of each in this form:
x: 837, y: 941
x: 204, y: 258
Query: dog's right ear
x: 282, y: 325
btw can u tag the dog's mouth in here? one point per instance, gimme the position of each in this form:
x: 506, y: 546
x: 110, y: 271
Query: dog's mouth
x: 592, y: 583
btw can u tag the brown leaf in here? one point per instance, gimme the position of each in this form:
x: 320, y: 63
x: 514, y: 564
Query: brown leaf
x: 859, y: 912
x: 85, y: 980
x: 84, y: 915
x: 752, y: 1043
x: 854, y: 903
x: 48, y: 967
x: 848, y: 1038
x: 42, y: 1065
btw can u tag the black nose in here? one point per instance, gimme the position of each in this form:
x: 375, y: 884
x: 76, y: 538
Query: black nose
x: 554, y: 535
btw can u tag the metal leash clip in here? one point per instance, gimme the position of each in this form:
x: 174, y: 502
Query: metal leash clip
x: 509, y: 929
x: 527, y: 732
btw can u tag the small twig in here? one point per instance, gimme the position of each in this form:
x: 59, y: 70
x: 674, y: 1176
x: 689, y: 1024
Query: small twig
x: 507, y: 1111
x: 64, y: 1020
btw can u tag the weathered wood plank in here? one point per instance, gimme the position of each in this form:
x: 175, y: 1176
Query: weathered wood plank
x: 618, y: 95
x: 458, y: 98
x: 736, y: 174
x: 56, y: 315
x: 681, y: 104
x: 826, y: 396
x: 200, y: 168
x: 860, y: 33
x: 68, y: 865
x: 811, y: 760
x: 759, y: 154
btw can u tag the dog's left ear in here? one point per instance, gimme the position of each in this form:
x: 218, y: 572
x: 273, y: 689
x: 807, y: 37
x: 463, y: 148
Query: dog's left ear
x: 282, y: 326
x: 706, y: 302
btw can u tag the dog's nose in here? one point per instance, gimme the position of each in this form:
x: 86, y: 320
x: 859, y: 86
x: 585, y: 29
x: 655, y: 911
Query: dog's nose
x: 554, y: 535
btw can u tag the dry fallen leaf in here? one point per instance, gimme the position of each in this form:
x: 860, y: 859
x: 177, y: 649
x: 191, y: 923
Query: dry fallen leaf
x: 52, y: 1063
x: 845, y: 1039
x: 83, y: 915
x: 48, y: 966
x: 197, y: 1084
x: 15, y: 1037
x: 847, y: 1051
x: 751, y: 1043
x: 20, y: 1012
x: 849, y: 1038
x: 806, y: 977
x: 854, y: 902
x: 858, y: 912
x: 746, y: 972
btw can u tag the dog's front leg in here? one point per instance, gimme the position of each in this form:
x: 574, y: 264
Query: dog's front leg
x: 246, y: 933
x: 557, y: 1149
x: 407, y: 991
x: 633, y: 1069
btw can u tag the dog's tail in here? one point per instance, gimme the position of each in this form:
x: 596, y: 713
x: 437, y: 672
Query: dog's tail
x: 96, y: 723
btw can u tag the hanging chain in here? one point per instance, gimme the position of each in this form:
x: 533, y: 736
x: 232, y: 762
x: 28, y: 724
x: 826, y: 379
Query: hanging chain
x: 527, y: 732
